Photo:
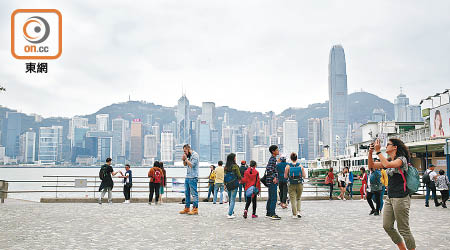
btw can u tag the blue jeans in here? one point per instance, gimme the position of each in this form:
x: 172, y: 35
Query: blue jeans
x: 272, y: 200
x: 232, y: 200
x: 431, y: 187
x: 210, y: 190
x: 350, y: 190
x: 190, y: 188
x: 241, y: 188
x: 218, y: 187
x: 382, y: 196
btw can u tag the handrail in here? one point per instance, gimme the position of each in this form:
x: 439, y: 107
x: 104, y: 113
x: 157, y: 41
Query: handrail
x: 61, y: 184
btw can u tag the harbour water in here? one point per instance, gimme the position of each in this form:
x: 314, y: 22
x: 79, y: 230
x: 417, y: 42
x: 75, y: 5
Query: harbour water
x: 37, y: 174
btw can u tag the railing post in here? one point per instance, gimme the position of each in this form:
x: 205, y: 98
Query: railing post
x: 95, y: 184
x: 3, y: 190
x: 56, y: 188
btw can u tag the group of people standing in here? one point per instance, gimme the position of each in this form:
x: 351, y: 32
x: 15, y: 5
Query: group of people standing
x: 247, y: 182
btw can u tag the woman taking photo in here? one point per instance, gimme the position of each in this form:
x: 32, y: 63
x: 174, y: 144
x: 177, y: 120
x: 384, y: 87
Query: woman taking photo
x: 396, y: 207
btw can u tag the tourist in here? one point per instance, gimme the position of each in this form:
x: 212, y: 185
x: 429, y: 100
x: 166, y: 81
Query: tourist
x: 443, y: 185
x: 252, y: 188
x: 282, y: 182
x: 397, y: 205
x: 164, y: 184
x: 342, y: 183
x: 107, y: 184
x: 384, y: 181
x: 156, y: 176
x: 242, y: 170
x: 350, y: 183
x: 363, y: 178
x: 218, y: 182
x: 431, y: 185
x: 329, y: 180
x: 127, y: 183
x: 190, y: 159
x: 374, y: 190
x: 232, y: 179
x: 295, y: 172
x: 272, y: 181
x: 211, y: 180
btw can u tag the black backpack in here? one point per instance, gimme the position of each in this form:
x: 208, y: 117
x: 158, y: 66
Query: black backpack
x: 426, y: 178
x: 102, y: 173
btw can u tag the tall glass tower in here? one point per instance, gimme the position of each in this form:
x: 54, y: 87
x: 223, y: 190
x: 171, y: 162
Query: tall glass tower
x: 338, y: 110
x: 183, y: 121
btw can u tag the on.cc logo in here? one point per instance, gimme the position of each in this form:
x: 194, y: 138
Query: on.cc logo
x: 36, y: 29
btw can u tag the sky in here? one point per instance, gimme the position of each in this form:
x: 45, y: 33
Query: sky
x: 249, y: 55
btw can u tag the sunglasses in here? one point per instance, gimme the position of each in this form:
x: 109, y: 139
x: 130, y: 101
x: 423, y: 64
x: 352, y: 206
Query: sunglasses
x: 389, y: 144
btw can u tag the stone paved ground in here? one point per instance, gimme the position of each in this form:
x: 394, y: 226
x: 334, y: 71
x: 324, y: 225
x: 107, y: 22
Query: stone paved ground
x: 325, y: 225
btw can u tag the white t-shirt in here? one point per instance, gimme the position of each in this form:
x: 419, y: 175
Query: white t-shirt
x: 432, y: 174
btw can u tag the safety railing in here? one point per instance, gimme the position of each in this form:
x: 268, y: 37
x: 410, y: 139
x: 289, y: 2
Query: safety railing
x: 60, y: 185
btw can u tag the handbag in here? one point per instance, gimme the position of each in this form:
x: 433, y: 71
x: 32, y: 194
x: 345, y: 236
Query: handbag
x: 253, y: 190
x: 264, y: 179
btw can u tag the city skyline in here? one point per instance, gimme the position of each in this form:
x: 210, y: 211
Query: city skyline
x: 275, y: 46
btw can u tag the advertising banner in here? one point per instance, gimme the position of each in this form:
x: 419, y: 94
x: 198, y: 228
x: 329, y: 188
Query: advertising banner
x: 440, y: 121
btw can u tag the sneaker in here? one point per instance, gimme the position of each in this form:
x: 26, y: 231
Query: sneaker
x: 231, y: 216
x: 444, y: 205
x: 339, y: 197
x: 245, y: 214
x: 427, y: 205
x: 275, y: 217
x: 156, y: 204
x: 437, y: 205
x: 221, y: 203
x: 205, y: 200
x: 268, y: 216
x: 150, y: 203
x: 99, y: 201
x: 344, y: 199
x: 376, y: 213
x: 299, y: 216
x: 294, y: 216
x: 254, y: 216
x: 372, y: 212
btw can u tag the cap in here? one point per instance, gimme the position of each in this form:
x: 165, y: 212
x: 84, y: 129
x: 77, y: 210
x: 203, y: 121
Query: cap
x: 243, y: 162
x: 431, y: 166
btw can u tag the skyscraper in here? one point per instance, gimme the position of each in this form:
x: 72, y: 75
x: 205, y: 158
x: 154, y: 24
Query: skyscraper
x: 99, y: 144
x: 50, y: 144
x: 167, y: 146
x: 136, y: 141
x: 183, y: 121
x: 11, y: 130
x: 400, y: 107
x: 27, y: 147
x: 290, y: 137
x: 119, y: 142
x: 102, y: 122
x: 209, y: 113
x: 337, y: 90
x: 150, y: 146
x: 314, y: 138
x: 204, y: 149
x: 76, y: 122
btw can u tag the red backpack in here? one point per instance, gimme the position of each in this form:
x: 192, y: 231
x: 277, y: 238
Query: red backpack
x: 157, y: 176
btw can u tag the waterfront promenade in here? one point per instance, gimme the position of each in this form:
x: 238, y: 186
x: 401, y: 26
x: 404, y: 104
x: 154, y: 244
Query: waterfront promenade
x: 325, y: 225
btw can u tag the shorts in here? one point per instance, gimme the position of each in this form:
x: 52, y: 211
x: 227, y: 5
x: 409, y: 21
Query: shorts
x: 342, y: 184
x: 161, y: 190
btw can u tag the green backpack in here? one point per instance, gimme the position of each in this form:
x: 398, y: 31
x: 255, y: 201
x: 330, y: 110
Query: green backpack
x: 412, y: 180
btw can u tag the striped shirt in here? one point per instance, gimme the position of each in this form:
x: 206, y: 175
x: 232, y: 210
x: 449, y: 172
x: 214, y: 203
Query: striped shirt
x: 271, y: 169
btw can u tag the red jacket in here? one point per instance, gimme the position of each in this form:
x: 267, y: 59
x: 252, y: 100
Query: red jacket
x: 251, y: 175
